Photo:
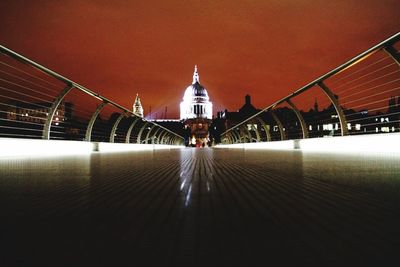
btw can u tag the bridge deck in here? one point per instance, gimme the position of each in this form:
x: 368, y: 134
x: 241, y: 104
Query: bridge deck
x: 200, y: 207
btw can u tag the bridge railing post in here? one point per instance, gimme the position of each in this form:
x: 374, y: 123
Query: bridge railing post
x: 88, y: 134
x: 141, y: 131
x: 115, y: 126
x: 300, y: 118
x: 128, y: 133
x: 279, y: 123
x: 162, y: 137
x: 258, y: 139
x: 391, y: 51
x: 155, y: 137
x: 267, y: 133
x: 53, y: 109
x: 335, y: 102
x: 148, y: 133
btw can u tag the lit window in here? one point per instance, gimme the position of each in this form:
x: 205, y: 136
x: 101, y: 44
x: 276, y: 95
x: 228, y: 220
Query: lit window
x: 385, y: 129
x: 327, y: 127
x: 251, y: 126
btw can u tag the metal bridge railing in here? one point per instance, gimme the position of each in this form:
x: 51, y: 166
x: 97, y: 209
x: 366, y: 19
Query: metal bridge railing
x: 361, y: 96
x: 38, y: 103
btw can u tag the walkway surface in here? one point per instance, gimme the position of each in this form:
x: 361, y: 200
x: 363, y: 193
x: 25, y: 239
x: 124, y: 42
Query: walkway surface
x: 200, y: 207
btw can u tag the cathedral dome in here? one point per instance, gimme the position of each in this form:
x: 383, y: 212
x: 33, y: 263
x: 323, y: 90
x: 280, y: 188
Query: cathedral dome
x: 194, y: 91
x: 196, y: 102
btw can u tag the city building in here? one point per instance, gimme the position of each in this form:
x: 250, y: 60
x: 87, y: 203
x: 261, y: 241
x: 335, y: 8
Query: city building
x: 320, y: 122
x: 231, y: 118
x: 196, y: 112
x: 37, y: 112
x: 24, y: 119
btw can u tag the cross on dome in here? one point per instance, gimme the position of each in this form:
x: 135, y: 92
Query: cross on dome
x: 196, y: 77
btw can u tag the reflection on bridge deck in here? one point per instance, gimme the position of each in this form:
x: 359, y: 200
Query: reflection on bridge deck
x: 200, y: 207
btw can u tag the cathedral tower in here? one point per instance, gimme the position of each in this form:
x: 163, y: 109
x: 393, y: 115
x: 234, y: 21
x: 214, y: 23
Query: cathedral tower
x: 137, y: 107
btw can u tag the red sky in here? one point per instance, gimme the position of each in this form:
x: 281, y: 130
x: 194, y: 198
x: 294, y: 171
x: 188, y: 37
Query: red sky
x: 263, y: 48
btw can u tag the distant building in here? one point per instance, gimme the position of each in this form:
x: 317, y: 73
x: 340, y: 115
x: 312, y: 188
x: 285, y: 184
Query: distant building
x: 320, y: 122
x: 38, y: 112
x: 137, y: 107
x: 196, y: 112
x: 231, y: 118
x: 26, y: 120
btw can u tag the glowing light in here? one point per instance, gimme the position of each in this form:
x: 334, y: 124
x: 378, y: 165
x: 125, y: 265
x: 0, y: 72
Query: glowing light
x: 183, y: 184
x: 121, y: 147
x: 385, y: 129
x: 287, y: 144
x: 364, y: 143
x: 26, y: 147
x: 356, y: 62
x: 188, y: 196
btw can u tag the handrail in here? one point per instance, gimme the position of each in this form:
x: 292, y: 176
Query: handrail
x: 73, y: 84
x: 388, y: 42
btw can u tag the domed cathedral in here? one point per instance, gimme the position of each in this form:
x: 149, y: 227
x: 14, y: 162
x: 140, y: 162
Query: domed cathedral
x: 137, y: 107
x: 196, y: 112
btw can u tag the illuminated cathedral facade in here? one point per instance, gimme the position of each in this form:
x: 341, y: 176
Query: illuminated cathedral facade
x: 196, y: 112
